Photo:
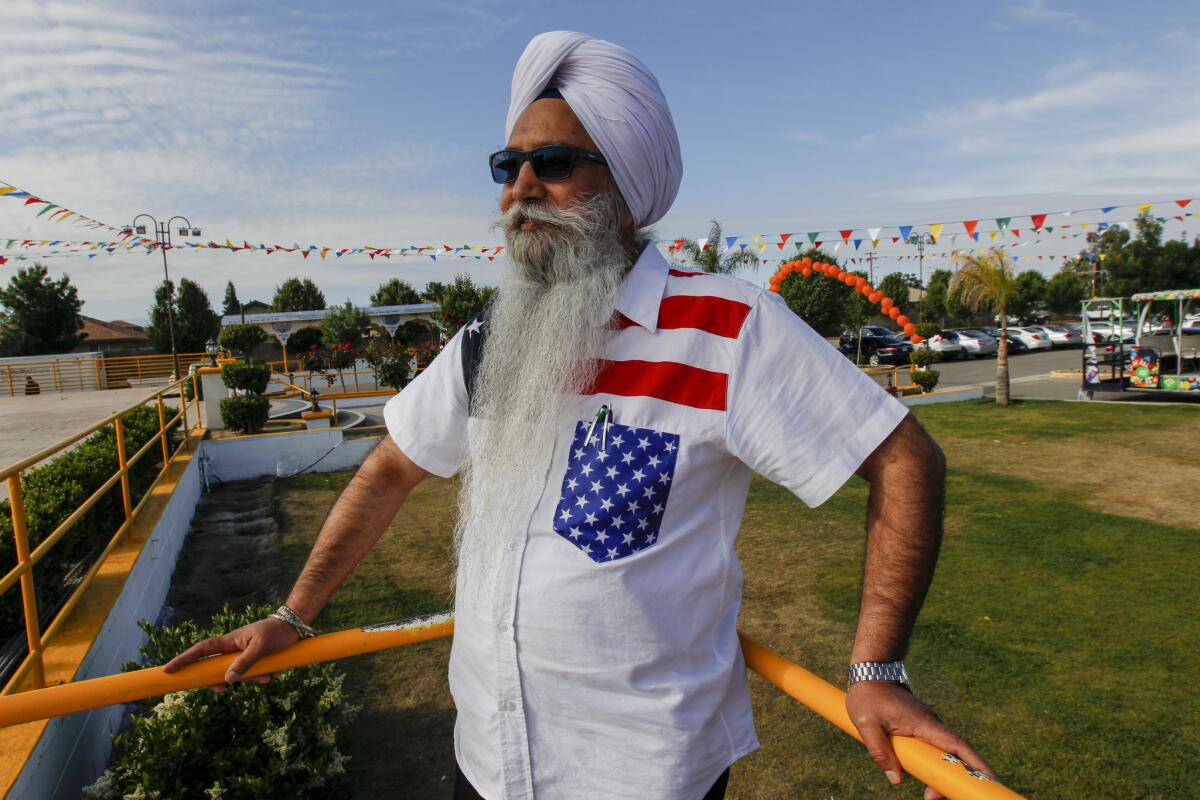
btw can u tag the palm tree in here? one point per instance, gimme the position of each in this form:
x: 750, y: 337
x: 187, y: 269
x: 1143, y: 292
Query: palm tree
x: 708, y: 256
x: 984, y: 282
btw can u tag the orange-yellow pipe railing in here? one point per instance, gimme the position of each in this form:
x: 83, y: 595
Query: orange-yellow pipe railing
x: 923, y: 761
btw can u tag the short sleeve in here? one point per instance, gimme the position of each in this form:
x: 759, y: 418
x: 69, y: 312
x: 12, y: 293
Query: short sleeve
x: 800, y: 413
x: 428, y: 419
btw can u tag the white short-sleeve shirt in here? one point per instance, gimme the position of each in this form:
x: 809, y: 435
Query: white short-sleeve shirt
x: 606, y: 664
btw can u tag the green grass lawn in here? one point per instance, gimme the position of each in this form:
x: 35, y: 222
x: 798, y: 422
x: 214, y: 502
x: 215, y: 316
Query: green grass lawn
x: 1060, y: 634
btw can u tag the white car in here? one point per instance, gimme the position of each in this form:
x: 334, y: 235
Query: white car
x: 1060, y: 335
x: 1104, y: 329
x: 1033, y: 339
x: 977, y: 343
x: 948, y: 344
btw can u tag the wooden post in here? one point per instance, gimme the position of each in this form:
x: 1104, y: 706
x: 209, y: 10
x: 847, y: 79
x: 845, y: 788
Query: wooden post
x: 33, y: 633
x: 122, y: 463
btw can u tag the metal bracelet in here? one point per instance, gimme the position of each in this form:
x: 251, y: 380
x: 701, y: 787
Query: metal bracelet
x: 892, y: 671
x: 285, y: 614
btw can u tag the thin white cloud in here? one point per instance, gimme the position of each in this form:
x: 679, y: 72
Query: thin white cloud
x: 1036, y: 11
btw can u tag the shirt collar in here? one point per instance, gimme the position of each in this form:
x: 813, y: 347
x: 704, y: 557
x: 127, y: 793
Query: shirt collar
x: 642, y: 291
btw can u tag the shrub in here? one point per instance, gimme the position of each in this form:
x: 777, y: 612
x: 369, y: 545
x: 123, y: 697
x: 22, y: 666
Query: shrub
x: 246, y: 413
x: 389, y: 361
x: 241, y: 338
x: 190, y: 388
x: 246, y: 376
x: 926, y: 379
x: 922, y: 356
x: 54, y: 490
x: 251, y: 741
x: 927, y: 329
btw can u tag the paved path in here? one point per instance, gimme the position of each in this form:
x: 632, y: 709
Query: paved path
x: 29, y: 424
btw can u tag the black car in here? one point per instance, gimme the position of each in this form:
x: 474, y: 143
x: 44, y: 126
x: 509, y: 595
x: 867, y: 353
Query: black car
x: 1015, y: 345
x: 877, y: 349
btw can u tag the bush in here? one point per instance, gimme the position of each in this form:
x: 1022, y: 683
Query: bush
x: 927, y: 329
x: 251, y: 741
x: 926, y: 379
x: 54, y: 490
x: 191, y: 388
x: 245, y: 413
x: 389, y: 361
x: 241, y: 338
x: 246, y: 376
x: 922, y: 356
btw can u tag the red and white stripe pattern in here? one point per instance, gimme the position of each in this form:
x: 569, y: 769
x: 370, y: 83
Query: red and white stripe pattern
x: 686, y: 361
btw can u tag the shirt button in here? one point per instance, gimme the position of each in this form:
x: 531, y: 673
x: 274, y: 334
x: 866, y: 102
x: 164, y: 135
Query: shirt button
x: 502, y: 625
x: 512, y: 545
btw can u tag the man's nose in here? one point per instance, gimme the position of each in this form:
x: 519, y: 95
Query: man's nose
x: 527, y: 185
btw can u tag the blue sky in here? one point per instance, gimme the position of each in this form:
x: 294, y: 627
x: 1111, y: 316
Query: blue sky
x: 354, y: 123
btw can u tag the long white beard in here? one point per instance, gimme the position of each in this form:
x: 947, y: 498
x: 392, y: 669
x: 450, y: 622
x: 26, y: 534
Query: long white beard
x: 545, y: 330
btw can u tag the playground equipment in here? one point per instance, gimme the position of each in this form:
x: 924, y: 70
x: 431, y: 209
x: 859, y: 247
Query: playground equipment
x: 1161, y: 358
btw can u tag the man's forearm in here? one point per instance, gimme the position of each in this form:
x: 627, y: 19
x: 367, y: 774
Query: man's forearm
x: 359, y: 517
x: 904, y: 531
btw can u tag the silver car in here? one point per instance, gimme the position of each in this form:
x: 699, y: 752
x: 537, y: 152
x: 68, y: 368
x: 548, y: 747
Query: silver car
x: 1060, y: 335
x: 977, y: 343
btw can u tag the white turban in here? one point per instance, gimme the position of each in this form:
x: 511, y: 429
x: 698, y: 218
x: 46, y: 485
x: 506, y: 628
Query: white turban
x: 620, y: 105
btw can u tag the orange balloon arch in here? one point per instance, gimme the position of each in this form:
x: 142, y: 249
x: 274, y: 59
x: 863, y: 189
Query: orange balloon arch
x: 806, y: 267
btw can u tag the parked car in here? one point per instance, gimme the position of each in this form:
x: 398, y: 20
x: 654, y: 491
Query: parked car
x: 948, y: 344
x: 878, y: 350
x: 1034, y: 339
x: 1015, y: 345
x: 977, y: 343
x: 1106, y: 329
x: 865, y: 330
x: 1060, y: 335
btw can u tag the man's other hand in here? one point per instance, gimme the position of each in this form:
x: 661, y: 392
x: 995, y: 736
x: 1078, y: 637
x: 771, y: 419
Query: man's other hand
x: 879, y: 709
x: 254, y: 641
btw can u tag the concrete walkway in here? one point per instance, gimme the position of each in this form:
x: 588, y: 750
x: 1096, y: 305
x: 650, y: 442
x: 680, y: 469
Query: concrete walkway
x: 29, y: 424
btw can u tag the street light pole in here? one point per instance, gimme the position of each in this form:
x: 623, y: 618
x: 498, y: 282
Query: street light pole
x: 162, y: 234
x: 920, y: 240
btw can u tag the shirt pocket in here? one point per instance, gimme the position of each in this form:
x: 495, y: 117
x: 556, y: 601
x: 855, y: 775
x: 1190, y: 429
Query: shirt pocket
x: 615, y: 490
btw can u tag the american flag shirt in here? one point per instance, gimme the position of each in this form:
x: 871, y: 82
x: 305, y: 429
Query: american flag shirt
x: 605, y: 662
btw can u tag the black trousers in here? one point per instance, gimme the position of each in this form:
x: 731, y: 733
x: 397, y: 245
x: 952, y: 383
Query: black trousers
x: 463, y: 790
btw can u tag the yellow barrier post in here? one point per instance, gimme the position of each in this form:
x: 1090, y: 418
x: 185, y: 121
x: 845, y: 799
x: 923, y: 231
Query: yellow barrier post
x: 11, y: 393
x: 123, y: 466
x: 162, y: 430
x: 33, y: 636
x: 196, y: 397
x: 926, y: 763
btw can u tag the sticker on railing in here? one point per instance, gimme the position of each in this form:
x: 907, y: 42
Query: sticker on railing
x: 974, y: 773
x: 410, y: 624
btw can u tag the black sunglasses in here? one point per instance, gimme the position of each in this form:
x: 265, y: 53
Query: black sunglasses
x: 553, y: 162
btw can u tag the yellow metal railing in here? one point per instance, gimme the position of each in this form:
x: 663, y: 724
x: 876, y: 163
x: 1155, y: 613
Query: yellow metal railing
x: 898, y: 377
x: 925, y: 762
x: 32, y: 666
x: 19, y: 378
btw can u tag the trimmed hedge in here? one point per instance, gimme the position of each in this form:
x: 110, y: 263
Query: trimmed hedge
x: 927, y: 379
x: 251, y: 741
x: 246, y: 413
x: 246, y: 376
x: 56, y: 489
x: 241, y: 338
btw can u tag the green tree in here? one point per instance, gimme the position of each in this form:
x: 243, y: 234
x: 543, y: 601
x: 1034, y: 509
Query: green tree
x: 1028, y: 296
x: 985, y: 282
x: 395, y: 292
x: 298, y: 294
x: 817, y: 300
x: 231, y: 305
x: 346, y: 324
x: 934, y: 307
x: 460, y: 301
x: 40, y: 315
x: 709, y: 257
x: 241, y: 338
x: 1144, y: 263
x: 896, y: 285
x: 1064, y: 292
x: 195, y: 321
x: 433, y: 291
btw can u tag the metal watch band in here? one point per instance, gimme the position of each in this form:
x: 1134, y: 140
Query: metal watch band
x: 285, y: 614
x: 893, y: 671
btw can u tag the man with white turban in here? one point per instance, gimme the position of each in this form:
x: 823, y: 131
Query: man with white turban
x: 605, y: 414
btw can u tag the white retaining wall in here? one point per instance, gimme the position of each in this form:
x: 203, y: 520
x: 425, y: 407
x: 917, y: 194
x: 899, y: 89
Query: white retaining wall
x: 74, y: 750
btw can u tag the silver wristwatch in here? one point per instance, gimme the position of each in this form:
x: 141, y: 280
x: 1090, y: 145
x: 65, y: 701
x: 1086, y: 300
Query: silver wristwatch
x: 285, y: 614
x: 893, y: 671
